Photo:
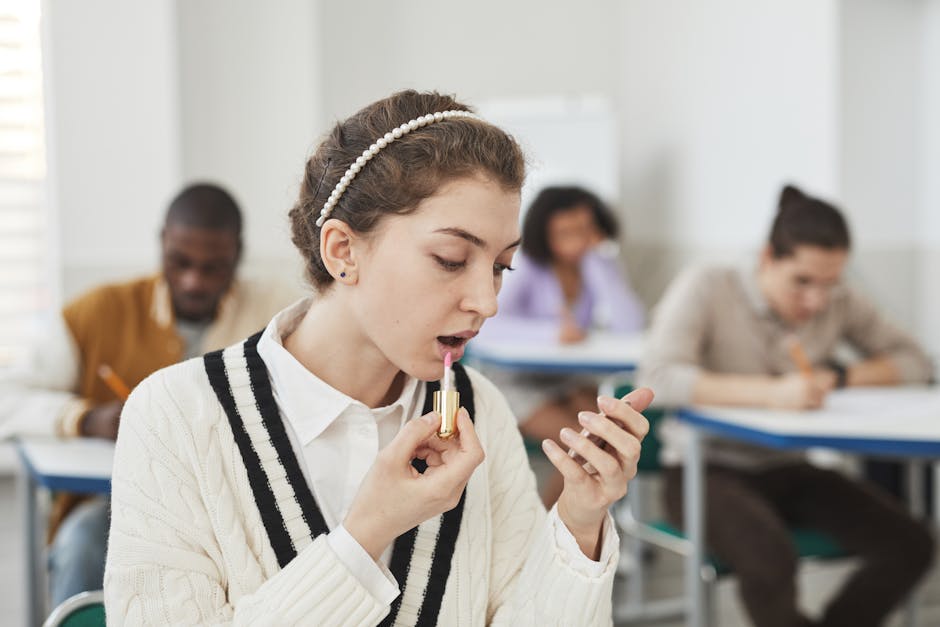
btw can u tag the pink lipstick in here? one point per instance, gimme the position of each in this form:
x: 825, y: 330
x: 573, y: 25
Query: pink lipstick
x: 447, y: 400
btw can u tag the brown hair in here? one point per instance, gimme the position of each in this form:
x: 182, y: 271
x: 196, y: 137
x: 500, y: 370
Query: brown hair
x: 808, y: 221
x: 403, y: 173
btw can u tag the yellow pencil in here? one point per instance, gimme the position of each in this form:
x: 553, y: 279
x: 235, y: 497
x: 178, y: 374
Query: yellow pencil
x: 798, y: 355
x: 114, y: 382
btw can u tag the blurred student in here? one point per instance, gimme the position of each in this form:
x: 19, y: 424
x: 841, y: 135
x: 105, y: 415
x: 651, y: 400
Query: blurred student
x: 561, y: 288
x: 724, y: 336
x: 116, y: 335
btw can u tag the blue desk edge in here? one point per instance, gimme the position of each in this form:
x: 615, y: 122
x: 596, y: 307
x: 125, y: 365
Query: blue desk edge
x: 537, y: 366
x: 81, y: 485
x: 785, y: 441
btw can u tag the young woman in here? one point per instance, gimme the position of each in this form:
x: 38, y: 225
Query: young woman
x: 562, y: 287
x: 723, y: 335
x: 299, y: 478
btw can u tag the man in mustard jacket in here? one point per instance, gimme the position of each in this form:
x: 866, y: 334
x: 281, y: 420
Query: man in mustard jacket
x: 126, y: 331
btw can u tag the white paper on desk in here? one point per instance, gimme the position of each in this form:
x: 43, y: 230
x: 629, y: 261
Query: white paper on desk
x: 895, y: 412
x: 884, y: 401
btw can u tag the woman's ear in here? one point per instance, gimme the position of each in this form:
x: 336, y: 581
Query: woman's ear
x: 766, y: 256
x: 338, y: 251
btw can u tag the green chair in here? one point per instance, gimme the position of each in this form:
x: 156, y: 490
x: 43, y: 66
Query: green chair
x: 85, y: 609
x: 639, y: 531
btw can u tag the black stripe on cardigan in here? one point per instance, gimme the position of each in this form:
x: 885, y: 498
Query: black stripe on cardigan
x: 450, y: 528
x: 277, y: 433
x: 257, y: 478
x: 405, y: 545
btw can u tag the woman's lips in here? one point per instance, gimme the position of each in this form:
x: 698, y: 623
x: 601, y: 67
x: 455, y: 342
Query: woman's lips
x: 455, y: 344
x: 456, y: 349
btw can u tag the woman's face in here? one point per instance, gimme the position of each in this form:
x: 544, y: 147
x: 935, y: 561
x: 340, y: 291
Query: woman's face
x: 798, y: 286
x: 572, y: 233
x: 429, y: 279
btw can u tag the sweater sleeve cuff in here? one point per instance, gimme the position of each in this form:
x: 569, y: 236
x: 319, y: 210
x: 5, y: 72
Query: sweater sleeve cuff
x: 912, y: 368
x: 315, y: 587
x: 673, y: 383
x: 69, y: 420
x: 576, y: 559
x: 374, y: 576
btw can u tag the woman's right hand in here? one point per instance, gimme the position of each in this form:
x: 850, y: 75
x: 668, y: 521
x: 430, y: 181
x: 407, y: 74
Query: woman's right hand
x: 394, y: 497
x: 102, y: 421
x: 570, y: 332
x: 797, y: 391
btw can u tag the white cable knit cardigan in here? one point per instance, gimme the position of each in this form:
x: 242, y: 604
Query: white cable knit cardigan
x: 188, y: 544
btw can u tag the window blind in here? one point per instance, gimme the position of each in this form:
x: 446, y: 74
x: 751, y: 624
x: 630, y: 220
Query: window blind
x: 25, y: 270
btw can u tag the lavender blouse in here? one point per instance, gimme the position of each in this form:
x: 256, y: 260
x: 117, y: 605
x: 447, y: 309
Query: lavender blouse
x: 531, y: 301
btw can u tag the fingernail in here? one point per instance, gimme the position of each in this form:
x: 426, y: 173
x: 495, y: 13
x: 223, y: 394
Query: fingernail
x: 567, y: 435
x: 606, y: 403
x: 585, y: 417
x: 430, y: 418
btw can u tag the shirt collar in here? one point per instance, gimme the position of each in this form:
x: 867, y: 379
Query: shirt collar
x: 161, y: 307
x: 307, y: 402
x: 747, y: 273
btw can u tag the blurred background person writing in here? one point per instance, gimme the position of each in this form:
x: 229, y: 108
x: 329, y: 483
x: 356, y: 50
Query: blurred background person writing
x: 564, y: 283
x: 75, y: 379
x: 726, y: 336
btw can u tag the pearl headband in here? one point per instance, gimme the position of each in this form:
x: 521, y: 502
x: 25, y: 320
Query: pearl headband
x: 374, y: 149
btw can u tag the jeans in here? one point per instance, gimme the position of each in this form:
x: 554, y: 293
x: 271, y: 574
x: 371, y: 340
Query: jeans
x: 76, y: 557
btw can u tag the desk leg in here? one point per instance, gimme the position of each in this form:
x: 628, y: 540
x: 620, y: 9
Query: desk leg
x: 914, y: 476
x: 693, y: 505
x: 936, y: 495
x: 26, y: 491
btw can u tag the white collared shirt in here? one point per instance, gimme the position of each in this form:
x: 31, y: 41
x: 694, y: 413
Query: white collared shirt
x: 336, y: 439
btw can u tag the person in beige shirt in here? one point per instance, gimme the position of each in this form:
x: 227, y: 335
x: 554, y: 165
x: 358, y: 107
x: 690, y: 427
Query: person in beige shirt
x: 723, y: 335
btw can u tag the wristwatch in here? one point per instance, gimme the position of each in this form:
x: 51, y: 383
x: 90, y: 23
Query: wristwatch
x: 841, y: 373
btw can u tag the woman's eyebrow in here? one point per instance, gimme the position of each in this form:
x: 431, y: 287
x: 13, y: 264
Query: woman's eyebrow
x: 470, y: 237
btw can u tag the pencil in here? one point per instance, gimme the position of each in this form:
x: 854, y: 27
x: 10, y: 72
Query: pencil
x: 114, y: 382
x: 798, y: 355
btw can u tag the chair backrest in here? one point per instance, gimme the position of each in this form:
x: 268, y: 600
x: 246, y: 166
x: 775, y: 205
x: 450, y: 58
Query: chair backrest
x: 618, y: 386
x: 85, y: 609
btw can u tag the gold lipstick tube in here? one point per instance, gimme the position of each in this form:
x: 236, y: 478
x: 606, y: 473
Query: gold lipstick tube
x: 447, y: 403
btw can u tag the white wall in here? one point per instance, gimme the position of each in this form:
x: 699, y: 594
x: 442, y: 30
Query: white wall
x: 881, y: 72
x: 929, y: 219
x: 490, y: 49
x: 250, y: 110
x: 719, y: 107
x: 881, y: 53
x: 114, y: 120
x: 146, y: 97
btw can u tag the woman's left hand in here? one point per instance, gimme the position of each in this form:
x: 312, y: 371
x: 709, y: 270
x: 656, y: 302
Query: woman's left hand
x: 611, y: 451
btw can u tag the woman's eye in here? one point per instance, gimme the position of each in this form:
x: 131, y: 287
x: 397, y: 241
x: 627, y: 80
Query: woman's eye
x: 450, y: 266
x: 498, y: 268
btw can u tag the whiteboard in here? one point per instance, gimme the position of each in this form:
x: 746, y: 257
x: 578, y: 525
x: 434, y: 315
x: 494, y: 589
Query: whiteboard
x: 568, y: 140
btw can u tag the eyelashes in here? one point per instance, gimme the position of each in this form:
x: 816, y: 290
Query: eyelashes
x: 454, y: 266
x: 450, y: 266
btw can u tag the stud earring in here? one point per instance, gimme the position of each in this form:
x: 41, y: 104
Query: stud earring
x: 342, y: 275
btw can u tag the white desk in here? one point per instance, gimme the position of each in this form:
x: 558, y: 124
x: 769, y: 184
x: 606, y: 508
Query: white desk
x: 600, y: 353
x: 77, y: 465
x: 895, y: 422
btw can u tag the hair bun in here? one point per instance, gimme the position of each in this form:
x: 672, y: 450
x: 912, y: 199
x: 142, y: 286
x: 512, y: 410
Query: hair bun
x: 789, y: 195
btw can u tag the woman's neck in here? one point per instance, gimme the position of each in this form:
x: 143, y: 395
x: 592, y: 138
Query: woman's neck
x: 329, y: 343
